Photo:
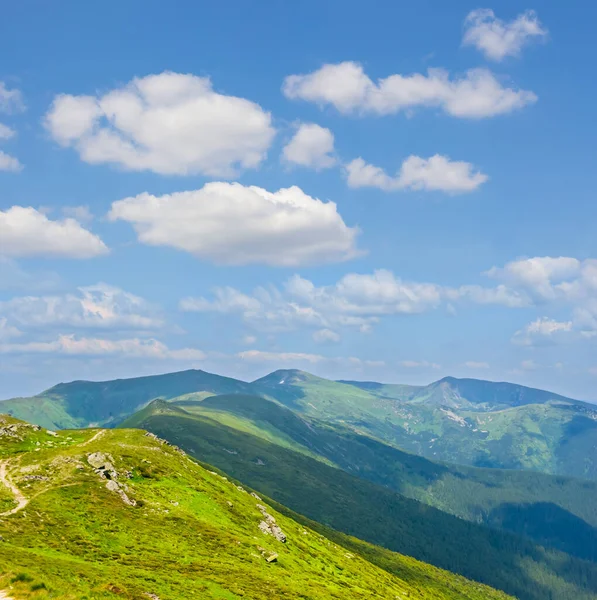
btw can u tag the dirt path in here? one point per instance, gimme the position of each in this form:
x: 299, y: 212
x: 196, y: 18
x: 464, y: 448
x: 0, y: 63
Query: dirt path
x: 21, y: 500
x: 92, y: 439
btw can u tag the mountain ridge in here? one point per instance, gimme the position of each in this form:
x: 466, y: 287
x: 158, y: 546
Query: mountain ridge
x: 467, y: 421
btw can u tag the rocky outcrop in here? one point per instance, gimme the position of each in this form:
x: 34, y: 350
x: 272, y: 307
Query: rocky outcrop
x: 103, y: 465
x: 114, y: 486
x: 269, y: 525
x: 17, y: 430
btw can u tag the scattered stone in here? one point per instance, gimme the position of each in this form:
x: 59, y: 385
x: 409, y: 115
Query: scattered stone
x: 114, y: 486
x: 272, y: 558
x: 260, y: 462
x: 35, y: 478
x: 240, y: 488
x: 229, y: 503
x: 152, y: 596
x: 102, y: 464
x: 269, y: 525
x: 255, y: 496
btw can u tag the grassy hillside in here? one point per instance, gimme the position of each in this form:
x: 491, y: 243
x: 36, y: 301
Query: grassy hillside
x: 556, y: 511
x: 374, y: 513
x: 105, y: 513
x: 90, y: 403
x: 464, y: 421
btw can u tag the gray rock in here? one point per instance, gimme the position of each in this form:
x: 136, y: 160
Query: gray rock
x: 269, y: 525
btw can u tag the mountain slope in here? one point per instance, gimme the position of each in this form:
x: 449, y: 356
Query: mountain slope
x: 376, y: 514
x: 90, y: 403
x: 470, y: 422
x: 117, y: 512
x: 503, y: 499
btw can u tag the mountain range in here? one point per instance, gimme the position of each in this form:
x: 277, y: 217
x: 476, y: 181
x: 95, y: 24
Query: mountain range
x: 348, y: 459
x: 88, y: 514
x: 464, y: 421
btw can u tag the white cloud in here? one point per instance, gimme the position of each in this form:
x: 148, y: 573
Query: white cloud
x: 7, y: 330
x: 471, y: 364
x: 249, y: 340
x: 170, y: 123
x: 416, y: 364
x: 360, y: 301
x: 322, y: 336
x: 229, y: 223
x: 538, y: 276
x: 9, y: 163
x: 437, y: 173
x: 312, y: 146
x: 27, y: 232
x: 11, y: 101
x: 355, y: 301
x: 131, y: 348
x: 498, y: 295
x: 6, y: 132
x: 99, y: 306
x: 345, y: 86
x: 497, y: 39
x: 543, y: 331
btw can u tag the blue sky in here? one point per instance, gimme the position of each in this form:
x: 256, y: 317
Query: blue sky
x: 391, y: 191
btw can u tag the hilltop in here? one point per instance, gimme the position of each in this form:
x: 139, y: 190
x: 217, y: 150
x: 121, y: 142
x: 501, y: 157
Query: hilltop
x: 121, y: 513
x: 296, y: 463
x: 465, y: 421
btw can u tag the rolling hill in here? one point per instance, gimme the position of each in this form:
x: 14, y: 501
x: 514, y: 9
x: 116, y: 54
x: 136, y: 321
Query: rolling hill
x: 555, y: 511
x: 464, y: 421
x: 120, y: 513
x: 361, y: 508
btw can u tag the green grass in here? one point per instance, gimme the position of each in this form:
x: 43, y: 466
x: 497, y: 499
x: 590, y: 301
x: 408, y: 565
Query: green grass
x: 376, y: 514
x: 464, y: 421
x: 193, y: 533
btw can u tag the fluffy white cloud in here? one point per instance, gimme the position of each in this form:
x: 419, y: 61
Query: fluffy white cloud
x: 544, y: 331
x: 311, y: 146
x: 359, y: 301
x: 497, y: 39
x: 130, y: 348
x: 9, y: 163
x: 25, y: 231
x: 355, y: 301
x: 471, y: 364
x: 539, y: 276
x: 98, y: 306
x: 7, y: 330
x: 11, y: 100
x: 437, y: 173
x: 169, y: 123
x: 6, y: 132
x: 345, y: 86
x: 229, y: 223
x: 558, y: 282
x: 498, y: 295
x: 323, y: 336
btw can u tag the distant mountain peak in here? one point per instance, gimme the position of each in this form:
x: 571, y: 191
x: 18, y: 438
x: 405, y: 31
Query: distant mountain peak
x: 285, y: 376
